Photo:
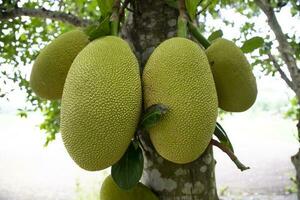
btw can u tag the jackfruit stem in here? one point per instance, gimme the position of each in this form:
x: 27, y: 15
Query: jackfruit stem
x: 199, y: 37
x: 182, y: 20
x: 231, y: 155
x: 114, y: 18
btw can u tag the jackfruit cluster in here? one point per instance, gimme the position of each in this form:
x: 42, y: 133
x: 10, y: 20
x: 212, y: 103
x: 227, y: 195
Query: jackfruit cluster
x: 100, y: 85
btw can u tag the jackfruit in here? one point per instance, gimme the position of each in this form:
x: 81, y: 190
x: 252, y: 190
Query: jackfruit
x: 52, y: 64
x: 101, y: 103
x: 178, y: 75
x: 235, y: 82
x: 111, y: 191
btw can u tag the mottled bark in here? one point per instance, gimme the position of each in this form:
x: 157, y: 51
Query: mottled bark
x: 152, y: 23
x: 296, y: 161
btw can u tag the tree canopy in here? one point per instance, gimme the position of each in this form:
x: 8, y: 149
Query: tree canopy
x: 27, y: 26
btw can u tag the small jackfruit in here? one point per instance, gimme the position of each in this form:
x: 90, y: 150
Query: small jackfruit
x: 101, y: 103
x: 178, y: 75
x: 52, y: 64
x: 235, y: 82
x: 111, y: 191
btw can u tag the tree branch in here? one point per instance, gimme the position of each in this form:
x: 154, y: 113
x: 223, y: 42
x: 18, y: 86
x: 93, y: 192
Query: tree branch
x: 281, y: 72
x: 230, y: 154
x: 286, y: 51
x: 43, y: 13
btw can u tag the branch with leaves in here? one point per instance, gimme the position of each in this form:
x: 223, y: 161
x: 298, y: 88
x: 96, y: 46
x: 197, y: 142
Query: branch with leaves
x: 286, y: 51
x: 281, y: 72
x: 43, y: 13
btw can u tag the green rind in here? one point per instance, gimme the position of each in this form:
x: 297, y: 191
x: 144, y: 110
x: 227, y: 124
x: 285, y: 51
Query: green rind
x: 178, y: 76
x: 111, y: 191
x: 51, y: 67
x: 101, y: 103
x: 235, y: 82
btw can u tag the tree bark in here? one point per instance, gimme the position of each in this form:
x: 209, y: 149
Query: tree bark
x: 43, y: 13
x: 296, y: 162
x: 151, y: 23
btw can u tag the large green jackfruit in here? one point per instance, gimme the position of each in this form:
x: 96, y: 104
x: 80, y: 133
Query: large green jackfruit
x: 111, y: 191
x: 235, y: 82
x: 101, y: 103
x: 51, y: 67
x: 178, y: 75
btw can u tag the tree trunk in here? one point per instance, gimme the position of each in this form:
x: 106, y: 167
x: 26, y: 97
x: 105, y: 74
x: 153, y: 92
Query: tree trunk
x: 151, y: 23
x: 296, y: 161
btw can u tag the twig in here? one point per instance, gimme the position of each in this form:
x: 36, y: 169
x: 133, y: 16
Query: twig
x: 281, y: 72
x: 181, y: 8
x: 182, y: 20
x: 122, y: 10
x: 204, y: 7
x: 43, y: 13
x: 115, y: 18
x: 199, y: 37
x: 230, y: 154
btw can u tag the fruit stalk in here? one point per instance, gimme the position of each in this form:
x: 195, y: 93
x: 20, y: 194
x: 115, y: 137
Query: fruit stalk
x: 114, y: 19
x: 182, y: 20
x: 122, y: 10
x: 231, y: 155
x: 199, y: 37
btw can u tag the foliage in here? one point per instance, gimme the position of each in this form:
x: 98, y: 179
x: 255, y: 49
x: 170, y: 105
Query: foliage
x: 19, y: 50
x: 31, y: 34
x: 293, y: 111
x: 129, y: 169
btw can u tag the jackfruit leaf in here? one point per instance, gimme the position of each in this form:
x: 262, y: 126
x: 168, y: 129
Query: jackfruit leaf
x: 222, y: 136
x: 252, y: 44
x: 105, y: 6
x: 191, y: 7
x: 215, y: 35
x: 152, y: 115
x: 128, y: 170
x: 172, y: 3
x: 99, y: 29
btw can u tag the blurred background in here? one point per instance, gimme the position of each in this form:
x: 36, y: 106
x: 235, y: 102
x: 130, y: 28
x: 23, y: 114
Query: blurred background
x: 264, y: 137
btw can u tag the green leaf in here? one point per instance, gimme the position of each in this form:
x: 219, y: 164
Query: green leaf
x: 105, y: 6
x: 191, y: 7
x: 252, y: 44
x: 214, y: 35
x: 172, y: 3
x: 152, y: 115
x: 128, y: 170
x: 98, y: 30
x: 222, y: 136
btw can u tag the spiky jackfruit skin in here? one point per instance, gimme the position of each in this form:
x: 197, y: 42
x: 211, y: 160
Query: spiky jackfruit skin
x: 235, y: 82
x: 51, y: 67
x: 178, y: 75
x: 111, y: 191
x: 101, y: 103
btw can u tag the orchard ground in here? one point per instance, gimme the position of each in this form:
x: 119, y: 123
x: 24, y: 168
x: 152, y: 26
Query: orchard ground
x: 262, y: 139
